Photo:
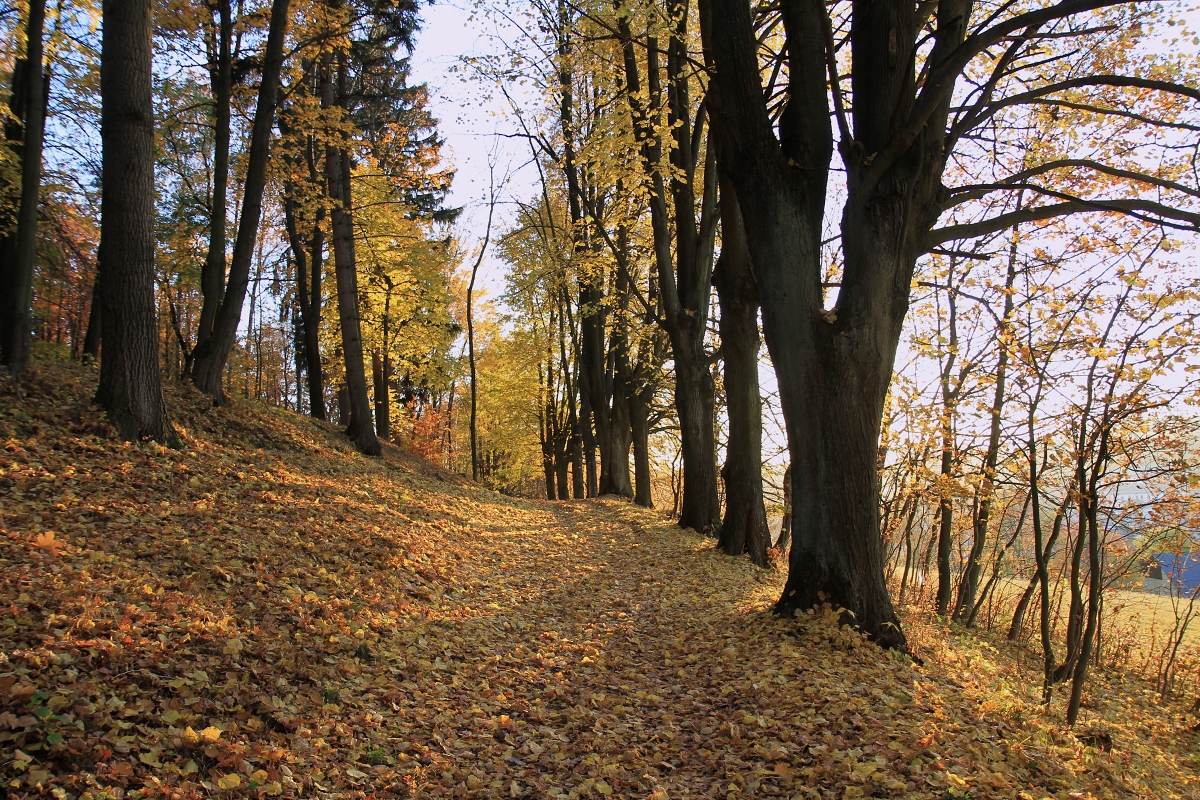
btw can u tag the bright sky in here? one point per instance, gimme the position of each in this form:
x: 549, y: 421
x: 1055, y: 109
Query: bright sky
x: 470, y: 124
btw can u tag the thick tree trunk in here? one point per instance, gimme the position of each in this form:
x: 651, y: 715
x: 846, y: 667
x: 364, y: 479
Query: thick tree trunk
x: 343, y: 404
x: 590, y: 470
x: 212, y: 274
x: 548, y: 460
x: 639, y: 423
x: 945, y: 542
x: 744, y: 529
x: 17, y: 336
x: 337, y: 170
x: 834, y: 364
x: 212, y: 353
x: 130, y: 387
x: 695, y: 404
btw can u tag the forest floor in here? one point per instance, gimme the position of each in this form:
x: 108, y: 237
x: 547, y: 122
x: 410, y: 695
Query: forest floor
x: 266, y: 613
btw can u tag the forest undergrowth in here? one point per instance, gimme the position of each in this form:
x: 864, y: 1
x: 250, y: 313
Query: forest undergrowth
x: 265, y: 612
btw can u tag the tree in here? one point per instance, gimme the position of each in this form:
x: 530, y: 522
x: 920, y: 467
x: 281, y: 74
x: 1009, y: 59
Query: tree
x: 744, y: 527
x: 899, y: 122
x: 212, y: 353
x: 130, y: 388
x: 17, y: 294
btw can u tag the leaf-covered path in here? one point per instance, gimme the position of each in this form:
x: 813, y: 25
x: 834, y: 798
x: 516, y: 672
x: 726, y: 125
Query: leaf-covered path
x: 266, y: 613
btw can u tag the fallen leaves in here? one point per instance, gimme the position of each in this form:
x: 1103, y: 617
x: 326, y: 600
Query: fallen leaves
x: 46, y: 541
x: 305, y: 622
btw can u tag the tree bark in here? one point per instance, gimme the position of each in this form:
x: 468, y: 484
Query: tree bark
x: 383, y: 427
x: 360, y: 428
x: 308, y: 293
x: 91, y: 340
x: 212, y: 353
x: 744, y: 528
x: 1047, y: 550
x: 620, y: 437
x: 834, y: 364
x: 639, y: 423
x: 684, y: 282
x: 212, y: 274
x: 784, y: 543
x: 130, y: 387
x: 14, y: 348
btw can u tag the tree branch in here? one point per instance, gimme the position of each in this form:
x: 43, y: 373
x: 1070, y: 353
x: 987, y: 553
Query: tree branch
x: 1131, y: 207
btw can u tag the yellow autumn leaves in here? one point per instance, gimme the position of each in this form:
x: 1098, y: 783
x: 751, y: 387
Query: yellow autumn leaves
x: 209, y: 735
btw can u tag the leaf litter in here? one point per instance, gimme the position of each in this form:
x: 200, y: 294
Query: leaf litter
x: 264, y: 613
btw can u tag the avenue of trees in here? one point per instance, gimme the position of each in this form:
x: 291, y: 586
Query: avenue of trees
x: 945, y: 246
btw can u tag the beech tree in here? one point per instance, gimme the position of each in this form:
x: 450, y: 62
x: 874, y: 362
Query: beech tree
x: 130, y: 387
x: 922, y: 81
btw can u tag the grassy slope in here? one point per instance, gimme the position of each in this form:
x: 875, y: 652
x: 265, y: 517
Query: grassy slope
x: 267, y: 613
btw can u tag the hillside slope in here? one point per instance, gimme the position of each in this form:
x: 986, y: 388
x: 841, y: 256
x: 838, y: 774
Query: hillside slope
x: 267, y: 613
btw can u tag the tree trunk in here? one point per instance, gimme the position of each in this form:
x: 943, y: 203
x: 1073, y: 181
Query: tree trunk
x: 546, y: 434
x: 562, y: 461
x: 784, y: 543
x: 685, y: 282
x: 212, y: 353
x: 212, y: 274
x: 1018, y: 620
x: 14, y: 347
x: 639, y: 423
x: 695, y: 403
x: 360, y: 429
x: 744, y: 529
x: 308, y: 296
x: 91, y: 340
x: 343, y: 403
x: 620, y: 437
x: 383, y: 426
x: 130, y: 387
x: 1095, y: 588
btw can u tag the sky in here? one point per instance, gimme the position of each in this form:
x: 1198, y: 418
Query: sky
x: 473, y: 126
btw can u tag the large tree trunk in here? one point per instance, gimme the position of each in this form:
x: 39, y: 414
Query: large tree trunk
x: 337, y: 171
x: 16, y: 336
x: 130, y: 387
x: 212, y: 353
x: 212, y: 274
x: 695, y: 403
x: 834, y: 364
x: 744, y: 529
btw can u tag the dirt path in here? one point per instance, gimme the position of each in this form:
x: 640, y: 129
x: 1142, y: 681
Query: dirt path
x: 595, y: 649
